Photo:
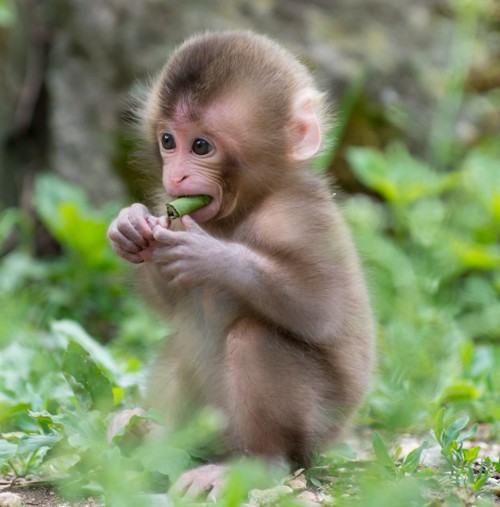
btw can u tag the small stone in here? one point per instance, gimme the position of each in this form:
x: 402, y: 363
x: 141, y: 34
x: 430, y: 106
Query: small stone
x: 493, y: 486
x: 432, y: 457
x: 10, y: 500
x: 307, y: 495
x: 309, y: 498
x: 298, y: 482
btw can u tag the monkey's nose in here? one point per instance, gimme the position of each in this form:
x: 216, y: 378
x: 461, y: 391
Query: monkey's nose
x: 177, y: 179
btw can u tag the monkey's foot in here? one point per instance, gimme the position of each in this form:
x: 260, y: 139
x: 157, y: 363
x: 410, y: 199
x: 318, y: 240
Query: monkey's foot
x: 207, y: 478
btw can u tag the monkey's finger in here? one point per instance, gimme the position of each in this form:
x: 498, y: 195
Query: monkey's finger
x: 164, y: 221
x: 166, y: 236
x: 123, y: 225
x: 122, y: 241
x: 196, y: 489
x: 182, y: 483
x: 202, y: 479
x: 129, y: 256
x: 140, y: 218
x: 146, y: 254
x: 167, y: 254
x: 152, y: 221
x: 216, y: 492
x: 191, y: 225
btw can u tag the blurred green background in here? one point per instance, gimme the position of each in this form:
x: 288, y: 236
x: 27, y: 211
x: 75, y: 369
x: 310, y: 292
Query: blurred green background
x: 415, y: 153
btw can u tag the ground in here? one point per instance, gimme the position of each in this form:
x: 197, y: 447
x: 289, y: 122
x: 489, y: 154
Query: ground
x: 38, y: 493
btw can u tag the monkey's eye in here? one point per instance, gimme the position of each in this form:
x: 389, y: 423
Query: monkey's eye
x: 167, y: 141
x: 202, y: 147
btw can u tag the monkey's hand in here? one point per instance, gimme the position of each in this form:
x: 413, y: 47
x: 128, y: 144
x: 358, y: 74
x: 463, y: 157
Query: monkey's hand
x: 131, y: 233
x: 122, y: 419
x: 187, y: 258
x: 206, y: 478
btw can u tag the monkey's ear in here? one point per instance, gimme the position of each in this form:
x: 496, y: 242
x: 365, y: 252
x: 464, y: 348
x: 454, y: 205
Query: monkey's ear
x: 306, y: 130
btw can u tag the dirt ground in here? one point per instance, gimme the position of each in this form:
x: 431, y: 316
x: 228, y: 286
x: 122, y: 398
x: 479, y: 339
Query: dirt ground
x: 38, y: 496
x: 34, y: 492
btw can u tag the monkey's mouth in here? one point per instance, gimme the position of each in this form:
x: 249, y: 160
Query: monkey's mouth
x: 186, y: 204
x: 205, y: 206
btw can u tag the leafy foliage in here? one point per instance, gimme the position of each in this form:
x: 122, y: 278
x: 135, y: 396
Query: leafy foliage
x: 432, y: 259
x: 429, y: 240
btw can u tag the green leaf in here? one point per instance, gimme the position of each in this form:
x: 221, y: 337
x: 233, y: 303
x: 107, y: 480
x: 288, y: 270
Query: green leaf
x: 412, y: 461
x: 481, y: 177
x: 161, y: 457
x: 50, y: 193
x: 479, y: 482
x: 381, y: 453
x: 172, y: 463
x: 87, y: 432
x: 69, y: 330
x: 7, y: 13
x: 396, y: 175
x: 47, y: 418
x: 9, y: 219
x: 471, y: 454
x: 452, y: 432
x: 33, y: 443
x: 7, y: 451
x: 315, y: 482
x: 475, y: 255
x: 439, y: 425
x: 467, y: 434
x: 461, y: 391
x: 90, y: 386
x: 66, y: 212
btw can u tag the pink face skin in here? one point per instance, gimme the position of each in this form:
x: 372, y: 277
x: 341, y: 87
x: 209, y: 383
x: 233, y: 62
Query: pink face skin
x: 192, y: 158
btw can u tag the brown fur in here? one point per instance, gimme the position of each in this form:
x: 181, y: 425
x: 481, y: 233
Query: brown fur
x: 272, y: 323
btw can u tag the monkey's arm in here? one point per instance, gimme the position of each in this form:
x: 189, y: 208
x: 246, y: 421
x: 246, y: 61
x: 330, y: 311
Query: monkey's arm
x: 299, y: 296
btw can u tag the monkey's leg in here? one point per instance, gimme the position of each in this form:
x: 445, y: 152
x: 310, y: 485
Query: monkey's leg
x: 275, y: 387
x: 272, y: 402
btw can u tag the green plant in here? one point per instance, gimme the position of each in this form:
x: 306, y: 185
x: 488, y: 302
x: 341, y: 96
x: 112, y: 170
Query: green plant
x: 451, y: 437
x: 407, y: 466
x: 431, y: 254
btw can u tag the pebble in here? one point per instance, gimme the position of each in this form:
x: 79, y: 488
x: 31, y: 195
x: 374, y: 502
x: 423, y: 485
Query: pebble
x: 432, y: 457
x: 10, y: 500
x: 298, y: 482
x: 309, y: 498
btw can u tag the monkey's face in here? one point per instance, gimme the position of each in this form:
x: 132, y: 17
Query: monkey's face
x: 201, y: 152
x: 192, y: 161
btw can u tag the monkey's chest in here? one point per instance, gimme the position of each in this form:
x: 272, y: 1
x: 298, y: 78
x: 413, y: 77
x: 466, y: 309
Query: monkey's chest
x: 202, y: 321
x: 216, y: 309
x: 201, y: 331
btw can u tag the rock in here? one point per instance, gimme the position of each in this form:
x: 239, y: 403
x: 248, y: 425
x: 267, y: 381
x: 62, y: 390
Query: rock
x: 298, y: 482
x: 309, y: 498
x: 10, y: 500
x: 432, y: 457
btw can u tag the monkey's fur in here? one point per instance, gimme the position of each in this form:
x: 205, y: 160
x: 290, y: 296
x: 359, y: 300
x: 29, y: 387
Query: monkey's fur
x: 270, y: 315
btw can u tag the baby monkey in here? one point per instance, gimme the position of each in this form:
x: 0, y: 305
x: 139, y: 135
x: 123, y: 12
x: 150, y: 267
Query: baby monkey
x: 262, y: 286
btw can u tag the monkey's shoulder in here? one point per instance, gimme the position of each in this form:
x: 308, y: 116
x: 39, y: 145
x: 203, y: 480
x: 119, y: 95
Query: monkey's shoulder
x: 291, y: 218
